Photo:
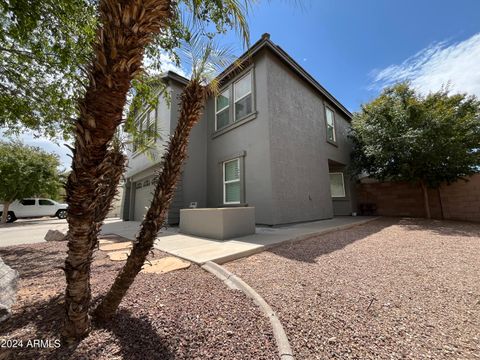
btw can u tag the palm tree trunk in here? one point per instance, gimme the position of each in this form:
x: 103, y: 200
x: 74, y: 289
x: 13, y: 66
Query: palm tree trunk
x: 6, y: 206
x: 114, y: 166
x: 192, y: 102
x: 426, y: 202
x: 126, y: 27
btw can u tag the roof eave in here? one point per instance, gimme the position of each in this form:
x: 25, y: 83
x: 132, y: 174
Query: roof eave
x: 265, y: 42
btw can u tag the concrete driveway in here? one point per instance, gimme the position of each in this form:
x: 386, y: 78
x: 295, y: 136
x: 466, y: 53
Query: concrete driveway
x: 29, y: 231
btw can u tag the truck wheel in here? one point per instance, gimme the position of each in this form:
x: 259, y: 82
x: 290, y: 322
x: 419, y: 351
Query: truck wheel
x: 11, y: 217
x: 62, y: 214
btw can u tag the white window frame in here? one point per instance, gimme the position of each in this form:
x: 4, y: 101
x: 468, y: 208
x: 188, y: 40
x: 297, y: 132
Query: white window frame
x: 217, y: 111
x: 343, y: 184
x: 327, y: 108
x: 225, y: 182
x: 244, y: 96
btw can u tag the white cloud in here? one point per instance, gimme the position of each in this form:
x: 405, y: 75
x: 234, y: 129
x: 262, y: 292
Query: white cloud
x: 456, y: 65
x: 167, y: 64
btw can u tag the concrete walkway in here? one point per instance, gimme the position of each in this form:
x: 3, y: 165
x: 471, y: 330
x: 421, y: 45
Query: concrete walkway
x: 200, y: 250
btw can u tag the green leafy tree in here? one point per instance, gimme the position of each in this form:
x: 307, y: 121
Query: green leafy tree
x: 43, y: 47
x: 46, y: 52
x: 26, y: 171
x: 425, y: 140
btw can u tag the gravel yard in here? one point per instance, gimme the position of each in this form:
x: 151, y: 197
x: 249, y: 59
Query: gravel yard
x: 185, y: 314
x: 390, y: 289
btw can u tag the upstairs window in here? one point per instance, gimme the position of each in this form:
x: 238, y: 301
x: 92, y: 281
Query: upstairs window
x: 223, y: 109
x: 151, y: 125
x: 231, y: 182
x: 337, y: 185
x: 243, y: 96
x: 235, y: 102
x: 137, y: 136
x: 146, y: 128
x: 330, y: 121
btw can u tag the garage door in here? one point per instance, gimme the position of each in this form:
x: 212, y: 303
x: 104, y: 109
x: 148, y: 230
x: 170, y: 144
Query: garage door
x: 143, y: 197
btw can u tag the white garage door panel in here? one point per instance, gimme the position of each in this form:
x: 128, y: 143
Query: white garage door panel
x: 143, y: 198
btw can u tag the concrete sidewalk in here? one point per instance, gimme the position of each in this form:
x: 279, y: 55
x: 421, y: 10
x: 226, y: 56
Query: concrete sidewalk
x: 200, y: 250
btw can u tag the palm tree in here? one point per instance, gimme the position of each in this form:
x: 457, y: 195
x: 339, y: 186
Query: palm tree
x: 125, y: 28
x: 205, y: 60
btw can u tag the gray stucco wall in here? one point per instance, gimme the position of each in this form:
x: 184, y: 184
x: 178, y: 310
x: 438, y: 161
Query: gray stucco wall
x: 299, y: 148
x: 192, y: 185
x: 139, y: 162
x: 283, y: 149
x: 249, y: 140
x: 194, y: 172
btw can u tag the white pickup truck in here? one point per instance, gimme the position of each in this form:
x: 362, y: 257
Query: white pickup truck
x: 35, y: 207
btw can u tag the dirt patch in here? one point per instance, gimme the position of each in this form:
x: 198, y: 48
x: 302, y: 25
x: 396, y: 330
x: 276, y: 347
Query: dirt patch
x: 185, y: 314
x: 390, y: 289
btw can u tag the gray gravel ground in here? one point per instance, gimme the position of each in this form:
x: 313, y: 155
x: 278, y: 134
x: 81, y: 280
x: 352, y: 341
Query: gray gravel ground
x: 185, y: 314
x: 390, y: 289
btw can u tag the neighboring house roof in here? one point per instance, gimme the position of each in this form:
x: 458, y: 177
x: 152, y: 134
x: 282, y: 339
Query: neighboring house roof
x: 266, y: 43
x: 174, y: 76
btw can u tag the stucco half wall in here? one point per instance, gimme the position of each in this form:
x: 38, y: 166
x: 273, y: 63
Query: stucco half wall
x: 218, y: 223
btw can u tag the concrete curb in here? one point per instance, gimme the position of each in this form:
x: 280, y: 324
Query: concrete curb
x: 261, y: 248
x: 234, y: 282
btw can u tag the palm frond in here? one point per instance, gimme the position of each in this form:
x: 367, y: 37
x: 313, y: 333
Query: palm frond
x: 206, y: 59
x: 232, y: 13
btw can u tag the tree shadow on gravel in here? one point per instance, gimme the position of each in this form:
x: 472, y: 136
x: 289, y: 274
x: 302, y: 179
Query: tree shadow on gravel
x: 442, y: 227
x: 43, y: 320
x: 138, y: 338
x: 21, y: 259
x: 40, y: 320
x: 48, y: 261
x: 308, y: 250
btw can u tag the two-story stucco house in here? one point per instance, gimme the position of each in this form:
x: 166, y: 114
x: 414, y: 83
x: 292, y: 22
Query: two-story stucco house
x: 273, y: 138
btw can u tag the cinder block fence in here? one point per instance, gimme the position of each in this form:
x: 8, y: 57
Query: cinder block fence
x: 457, y: 201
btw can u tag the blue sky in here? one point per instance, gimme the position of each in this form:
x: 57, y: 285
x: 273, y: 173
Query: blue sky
x: 354, y: 48
x: 344, y: 43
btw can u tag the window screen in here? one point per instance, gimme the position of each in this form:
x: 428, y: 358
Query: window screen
x: 330, y: 124
x: 231, y: 182
x: 243, y: 97
x: 337, y: 186
x: 223, y: 112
